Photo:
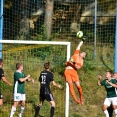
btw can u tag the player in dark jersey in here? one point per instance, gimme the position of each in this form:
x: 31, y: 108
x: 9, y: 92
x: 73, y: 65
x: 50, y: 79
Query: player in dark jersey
x: 2, y: 77
x: 111, y: 93
x: 45, y: 78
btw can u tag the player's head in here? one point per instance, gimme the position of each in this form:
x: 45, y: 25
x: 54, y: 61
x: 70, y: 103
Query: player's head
x: 47, y: 65
x: 115, y: 76
x: 109, y: 74
x: 19, y: 66
x: 83, y: 54
x: 1, y: 62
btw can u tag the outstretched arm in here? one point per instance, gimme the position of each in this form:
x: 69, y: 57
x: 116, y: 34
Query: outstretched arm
x: 79, y: 45
x: 114, y: 85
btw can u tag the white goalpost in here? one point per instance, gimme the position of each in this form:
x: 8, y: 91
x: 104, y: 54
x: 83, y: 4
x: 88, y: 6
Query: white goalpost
x: 67, y: 44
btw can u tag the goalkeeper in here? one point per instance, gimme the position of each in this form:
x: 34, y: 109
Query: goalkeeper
x: 74, y: 64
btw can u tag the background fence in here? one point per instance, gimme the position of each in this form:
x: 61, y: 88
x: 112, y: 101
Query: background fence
x: 59, y: 20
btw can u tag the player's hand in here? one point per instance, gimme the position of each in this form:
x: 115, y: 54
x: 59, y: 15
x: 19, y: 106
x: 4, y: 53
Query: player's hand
x: 10, y: 84
x: 32, y: 81
x: 59, y: 86
x: 99, y: 77
x: 28, y: 75
x: 108, y: 82
x: 84, y: 38
x: 77, y: 66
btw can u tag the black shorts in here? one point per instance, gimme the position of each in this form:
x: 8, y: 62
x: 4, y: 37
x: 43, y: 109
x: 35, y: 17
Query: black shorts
x: 1, y: 95
x: 46, y: 94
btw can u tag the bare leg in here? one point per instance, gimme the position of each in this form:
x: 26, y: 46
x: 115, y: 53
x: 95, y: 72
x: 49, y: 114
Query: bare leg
x: 22, y: 108
x: 1, y: 102
x: 13, y: 109
x: 115, y: 110
x: 105, y: 110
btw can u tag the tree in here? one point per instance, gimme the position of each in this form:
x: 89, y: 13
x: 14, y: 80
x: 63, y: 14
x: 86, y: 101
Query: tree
x: 48, y: 17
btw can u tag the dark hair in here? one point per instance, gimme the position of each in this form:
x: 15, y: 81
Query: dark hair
x: 18, y: 65
x: 47, y: 65
x: 1, y: 61
x: 110, y: 71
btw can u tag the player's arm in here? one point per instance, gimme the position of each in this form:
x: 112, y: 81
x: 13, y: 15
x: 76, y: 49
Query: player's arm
x: 79, y: 45
x: 6, y: 81
x: 99, y: 80
x: 112, y: 84
x: 56, y: 85
x: 30, y: 80
x: 24, y: 79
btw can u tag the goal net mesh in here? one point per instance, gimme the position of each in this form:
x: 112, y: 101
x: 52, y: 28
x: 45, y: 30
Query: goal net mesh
x: 33, y: 57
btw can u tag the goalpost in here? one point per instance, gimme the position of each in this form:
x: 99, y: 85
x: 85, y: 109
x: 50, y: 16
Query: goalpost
x: 45, y: 43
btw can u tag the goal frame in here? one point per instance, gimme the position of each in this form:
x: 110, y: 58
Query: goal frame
x: 68, y: 44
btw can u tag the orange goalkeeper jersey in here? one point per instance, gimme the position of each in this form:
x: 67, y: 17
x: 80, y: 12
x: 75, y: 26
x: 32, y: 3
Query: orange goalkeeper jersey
x: 75, y: 58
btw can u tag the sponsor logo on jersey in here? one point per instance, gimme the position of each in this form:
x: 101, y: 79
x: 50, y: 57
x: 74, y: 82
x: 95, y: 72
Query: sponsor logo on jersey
x: 17, y: 97
x: 109, y: 86
x: 43, y: 73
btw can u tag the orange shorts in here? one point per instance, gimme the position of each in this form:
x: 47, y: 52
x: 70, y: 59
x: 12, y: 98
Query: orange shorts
x: 71, y: 75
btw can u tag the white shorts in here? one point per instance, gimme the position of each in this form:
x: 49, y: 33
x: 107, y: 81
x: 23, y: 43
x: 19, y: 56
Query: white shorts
x: 109, y: 101
x: 19, y: 97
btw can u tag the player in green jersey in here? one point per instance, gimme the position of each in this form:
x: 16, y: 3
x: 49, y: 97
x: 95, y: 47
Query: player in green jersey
x: 111, y: 93
x: 110, y: 109
x: 19, y: 89
x: 114, y: 85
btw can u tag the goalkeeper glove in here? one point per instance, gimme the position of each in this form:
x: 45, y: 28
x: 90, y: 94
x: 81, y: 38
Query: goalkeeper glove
x: 84, y: 38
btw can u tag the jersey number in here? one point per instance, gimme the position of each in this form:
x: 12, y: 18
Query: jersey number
x: 43, y: 77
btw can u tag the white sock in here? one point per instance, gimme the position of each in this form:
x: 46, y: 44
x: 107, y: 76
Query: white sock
x: 13, y: 109
x: 22, y: 109
x: 115, y: 112
x: 106, y: 113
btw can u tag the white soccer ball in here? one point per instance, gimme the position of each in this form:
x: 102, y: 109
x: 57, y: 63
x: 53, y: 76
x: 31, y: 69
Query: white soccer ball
x: 79, y: 34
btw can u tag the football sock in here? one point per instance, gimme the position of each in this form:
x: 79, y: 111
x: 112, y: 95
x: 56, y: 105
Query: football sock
x: 115, y: 112
x: 22, y: 109
x: 80, y: 92
x: 37, y: 110
x: 106, y: 113
x: 73, y: 93
x: 52, y: 111
x: 13, y: 109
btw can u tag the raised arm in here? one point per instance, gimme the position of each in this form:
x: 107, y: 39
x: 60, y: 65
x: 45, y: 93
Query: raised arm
x: 99, y: 78
x: 79, y: 45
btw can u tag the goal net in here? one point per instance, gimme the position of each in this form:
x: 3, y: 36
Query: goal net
x: 33, y: 54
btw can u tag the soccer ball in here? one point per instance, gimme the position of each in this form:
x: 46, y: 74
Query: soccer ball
x: 79, y: 34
